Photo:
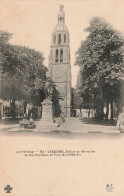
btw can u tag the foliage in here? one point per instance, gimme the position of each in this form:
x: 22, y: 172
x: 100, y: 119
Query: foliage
x: 23, y: 74
x: 73, y: 94
x: 54, y: 94
x: 100, y: 58
x: 23, y: 71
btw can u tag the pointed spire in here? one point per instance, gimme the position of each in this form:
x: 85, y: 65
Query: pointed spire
x: 61, y: 14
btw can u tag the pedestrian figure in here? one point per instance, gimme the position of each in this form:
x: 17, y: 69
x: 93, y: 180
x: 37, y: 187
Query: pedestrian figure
x: 120, y: 121
x: 62, y: 117
x: 31, y: 121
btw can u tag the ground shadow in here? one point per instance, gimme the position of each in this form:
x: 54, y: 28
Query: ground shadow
x: 95, y: 121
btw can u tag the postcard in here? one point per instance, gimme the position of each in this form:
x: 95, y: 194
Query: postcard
x: 61, y: 98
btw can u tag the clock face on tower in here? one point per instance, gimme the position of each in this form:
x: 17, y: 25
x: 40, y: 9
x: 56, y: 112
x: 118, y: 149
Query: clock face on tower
x: 58, y: 77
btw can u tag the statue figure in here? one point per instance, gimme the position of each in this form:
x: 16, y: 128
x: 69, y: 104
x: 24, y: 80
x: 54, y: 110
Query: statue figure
x: 49, y: 87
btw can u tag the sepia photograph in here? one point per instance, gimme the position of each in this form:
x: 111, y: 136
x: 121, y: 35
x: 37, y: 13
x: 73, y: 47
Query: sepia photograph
x: 60, y: 72
x: 61, y: 97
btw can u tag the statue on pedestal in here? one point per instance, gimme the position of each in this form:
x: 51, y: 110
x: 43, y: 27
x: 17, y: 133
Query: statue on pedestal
x: 46, y: 122
x: 48, y: 87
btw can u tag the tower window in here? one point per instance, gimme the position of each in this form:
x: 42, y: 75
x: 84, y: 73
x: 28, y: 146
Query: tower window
x: 60, y: 18
x: 59, y: 39
x: 65, y: 38
x: 54, y: 39
x: 61, y: 55
x: 57, y: 53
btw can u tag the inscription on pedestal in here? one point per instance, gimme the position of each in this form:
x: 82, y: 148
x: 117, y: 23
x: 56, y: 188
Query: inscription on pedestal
x: 47, y: 111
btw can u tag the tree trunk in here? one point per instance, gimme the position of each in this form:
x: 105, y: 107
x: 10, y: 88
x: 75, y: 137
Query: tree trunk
x: 102, y: 112
x: 89, y: 113
x: 107, y: 110
x: 80, y: 115
x: 25, y: 105
x: 13, y: 109
x: 118, y: 109
x: 111, y: 110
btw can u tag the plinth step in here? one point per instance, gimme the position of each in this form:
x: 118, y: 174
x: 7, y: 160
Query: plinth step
x: 46, y: 127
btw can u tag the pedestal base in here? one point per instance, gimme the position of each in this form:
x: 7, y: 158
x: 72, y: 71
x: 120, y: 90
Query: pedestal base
x: 46, y: 123
x: 46, y: 126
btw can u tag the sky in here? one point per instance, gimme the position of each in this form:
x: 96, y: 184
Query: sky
x: 32, y: 22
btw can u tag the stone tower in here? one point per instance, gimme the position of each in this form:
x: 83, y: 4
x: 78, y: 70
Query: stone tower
x: 59, y: 62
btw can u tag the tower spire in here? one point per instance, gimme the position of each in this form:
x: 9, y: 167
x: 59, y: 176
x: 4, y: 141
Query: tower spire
x: 61, y: 14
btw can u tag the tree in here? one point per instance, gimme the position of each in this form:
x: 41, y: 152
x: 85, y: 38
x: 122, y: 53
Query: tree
x: 23, y: 73
x: 54, y: 96
x: 100, y: 58
x: 4, y: 38
x: 73, y: 94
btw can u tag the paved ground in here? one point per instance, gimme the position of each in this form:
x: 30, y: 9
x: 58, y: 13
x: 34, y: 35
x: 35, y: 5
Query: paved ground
x: 79, y: 126
x: 71, y: 125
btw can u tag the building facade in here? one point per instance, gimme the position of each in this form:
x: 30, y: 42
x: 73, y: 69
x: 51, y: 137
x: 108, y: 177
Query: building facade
x: 59, y: 62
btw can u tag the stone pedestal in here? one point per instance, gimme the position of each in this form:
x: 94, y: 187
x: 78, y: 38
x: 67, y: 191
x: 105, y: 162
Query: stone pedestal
x: 46, y: 123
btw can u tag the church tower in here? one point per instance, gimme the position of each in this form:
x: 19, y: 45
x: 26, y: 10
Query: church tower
x: 59, y: 62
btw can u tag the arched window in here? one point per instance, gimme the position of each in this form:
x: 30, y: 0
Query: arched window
x: 65, y: 38
x: 54, y: 39
x: 59, y: 39
x: 61, y: 55
x: 57, y: 54
x: 60, y: 18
